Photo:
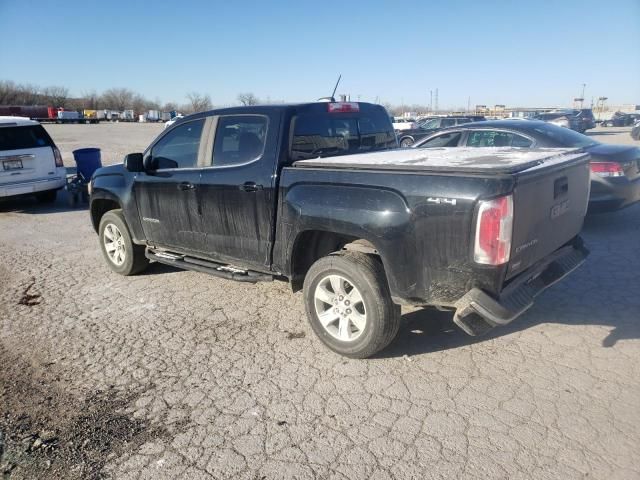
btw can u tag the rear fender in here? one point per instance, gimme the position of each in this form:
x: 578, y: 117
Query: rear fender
x: 379, y: 216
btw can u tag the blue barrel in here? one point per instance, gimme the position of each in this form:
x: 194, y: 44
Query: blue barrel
x: 87, y: 161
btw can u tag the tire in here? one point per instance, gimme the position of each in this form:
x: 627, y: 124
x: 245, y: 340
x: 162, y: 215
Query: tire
x: 48, y: 196
x: 72, y: 198
x: 128, y: 258
x: 381, y: 316
x: 406, y: 142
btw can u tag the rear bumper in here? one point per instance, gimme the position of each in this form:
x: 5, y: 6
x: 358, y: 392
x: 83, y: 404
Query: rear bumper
x: 477, y: 312
x: 32, y: 186
x: 612, y: 194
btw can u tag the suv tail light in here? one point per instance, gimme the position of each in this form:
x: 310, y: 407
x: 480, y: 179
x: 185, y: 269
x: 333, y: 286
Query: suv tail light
x: 343, y: 107
x: 57, y: 157
x: 494, y: 229
x: 607, y: 169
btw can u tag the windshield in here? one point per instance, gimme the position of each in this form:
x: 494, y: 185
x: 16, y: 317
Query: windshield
x: 564, y: 136
x: 325, y: 135
x: 430, y: 124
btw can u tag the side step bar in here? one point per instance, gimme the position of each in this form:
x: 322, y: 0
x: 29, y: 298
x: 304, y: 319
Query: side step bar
x: 212, y: 268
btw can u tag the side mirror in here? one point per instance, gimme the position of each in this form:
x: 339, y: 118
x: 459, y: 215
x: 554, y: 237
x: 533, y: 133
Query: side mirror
x: 134, y: 162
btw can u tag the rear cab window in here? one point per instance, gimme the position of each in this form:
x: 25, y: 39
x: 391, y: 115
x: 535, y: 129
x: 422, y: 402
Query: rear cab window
x: 239, y: 139
x: 24, y: 137
x: 316, y: 132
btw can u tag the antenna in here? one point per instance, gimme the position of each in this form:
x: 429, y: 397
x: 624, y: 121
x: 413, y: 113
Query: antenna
x: 335, y: 88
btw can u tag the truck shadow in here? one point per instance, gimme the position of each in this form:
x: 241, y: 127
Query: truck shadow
x: 603, y: 292
x: 28, y: 204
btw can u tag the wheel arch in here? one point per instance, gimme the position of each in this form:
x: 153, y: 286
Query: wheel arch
x: 311, y: 245
x: 100, y: 206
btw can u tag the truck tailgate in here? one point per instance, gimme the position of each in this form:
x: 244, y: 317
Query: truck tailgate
x: 549, y: 201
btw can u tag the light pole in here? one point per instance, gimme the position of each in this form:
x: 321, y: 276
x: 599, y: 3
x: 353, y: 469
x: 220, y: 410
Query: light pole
x: 582, y: 96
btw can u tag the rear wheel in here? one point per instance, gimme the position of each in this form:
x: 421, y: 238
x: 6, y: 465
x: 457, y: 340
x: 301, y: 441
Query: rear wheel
x: 47, y: 197
x: 349, y: 306
x: 122, y: 255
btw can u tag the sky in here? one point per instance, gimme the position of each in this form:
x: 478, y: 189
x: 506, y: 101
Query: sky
x: 518, y: 53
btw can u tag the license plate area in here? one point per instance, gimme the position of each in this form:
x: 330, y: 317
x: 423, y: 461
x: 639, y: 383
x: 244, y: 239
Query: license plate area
x: 12, y: 164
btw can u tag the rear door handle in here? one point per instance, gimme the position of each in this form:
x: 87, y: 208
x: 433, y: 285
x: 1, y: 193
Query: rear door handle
x: 186, y: 186
x: 250, y: 187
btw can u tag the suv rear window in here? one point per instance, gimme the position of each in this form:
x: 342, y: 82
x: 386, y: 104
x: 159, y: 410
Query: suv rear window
x: 21, y: 137
x: 327, y: 134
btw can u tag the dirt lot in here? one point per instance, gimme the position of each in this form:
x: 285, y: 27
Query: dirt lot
x: 175, y: 374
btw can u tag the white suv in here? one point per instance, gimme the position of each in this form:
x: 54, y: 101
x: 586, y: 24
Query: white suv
x: 30, y: 163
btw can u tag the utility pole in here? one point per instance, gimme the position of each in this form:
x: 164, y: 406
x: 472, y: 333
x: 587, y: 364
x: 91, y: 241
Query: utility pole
x: 430, y: 101
x: 436, y: 101
x: 468, y: 104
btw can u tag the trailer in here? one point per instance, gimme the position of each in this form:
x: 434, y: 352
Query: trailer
x: 46, y: 114
x: 128, y: 116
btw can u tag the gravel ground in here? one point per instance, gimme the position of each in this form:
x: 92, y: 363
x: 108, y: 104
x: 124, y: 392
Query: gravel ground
x: 176, y: 374
x: 115, y: 140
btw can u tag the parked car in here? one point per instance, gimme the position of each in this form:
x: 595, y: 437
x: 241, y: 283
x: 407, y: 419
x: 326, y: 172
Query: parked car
x: 404, y: 123
x: 319, y: 195
x: 621, y: 119
x: 588, y: 119
x: 635, y: 131
x: 168, y: 123
x: 562, y: 119
x: 406, y: 138
x: 30, y: 163
x: 615, y: 169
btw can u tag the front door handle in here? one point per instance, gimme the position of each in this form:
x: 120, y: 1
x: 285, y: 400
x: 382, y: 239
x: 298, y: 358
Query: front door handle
x: 250, y: 187
x: 186, y: 186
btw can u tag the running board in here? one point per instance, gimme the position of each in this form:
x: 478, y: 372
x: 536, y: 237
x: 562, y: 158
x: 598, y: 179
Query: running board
x: 212, y: 268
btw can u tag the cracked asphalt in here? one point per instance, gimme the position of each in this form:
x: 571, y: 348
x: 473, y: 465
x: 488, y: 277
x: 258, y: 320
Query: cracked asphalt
x: 233, y: 375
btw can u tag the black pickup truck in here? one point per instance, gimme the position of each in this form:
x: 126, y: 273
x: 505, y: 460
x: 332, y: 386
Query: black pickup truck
x: 319, y: 195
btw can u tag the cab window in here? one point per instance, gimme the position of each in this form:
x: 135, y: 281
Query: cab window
x: 239, y: 139
x: 178, y: 148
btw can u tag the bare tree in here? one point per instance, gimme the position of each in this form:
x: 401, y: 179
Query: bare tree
x: 8, y: 92
x: 247, y: 99
x: 170, y: 107
x: 57, y: 96
x: 29, y: 94
x: 118, y: 98
x: 90, y: 100
x: 199, y: 102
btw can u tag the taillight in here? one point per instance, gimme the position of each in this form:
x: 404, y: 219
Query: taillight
x: 607, y: 169
x: 493, y: 231
x: 57, y: 157
x: 342, y: 107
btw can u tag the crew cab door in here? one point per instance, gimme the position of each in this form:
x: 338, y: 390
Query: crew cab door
x: 236, y: 192
x: 166, y: 193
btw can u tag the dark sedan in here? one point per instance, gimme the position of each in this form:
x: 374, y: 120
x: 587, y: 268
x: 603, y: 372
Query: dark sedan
x: 615, y: 169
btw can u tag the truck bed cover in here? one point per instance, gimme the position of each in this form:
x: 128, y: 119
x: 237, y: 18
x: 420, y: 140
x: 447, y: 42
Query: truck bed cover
x: 503, y: 160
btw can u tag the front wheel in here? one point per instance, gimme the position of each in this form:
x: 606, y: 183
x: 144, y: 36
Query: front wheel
x: 406, y: 142
x: 122, y: 255
x: 349, y: 305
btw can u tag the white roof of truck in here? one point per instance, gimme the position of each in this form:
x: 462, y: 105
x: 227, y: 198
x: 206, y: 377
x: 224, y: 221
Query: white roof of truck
x: 483, y: 159
x: 20, y: 121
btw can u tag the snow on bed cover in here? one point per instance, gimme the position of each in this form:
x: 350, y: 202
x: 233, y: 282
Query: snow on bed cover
x: 483, y: 157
